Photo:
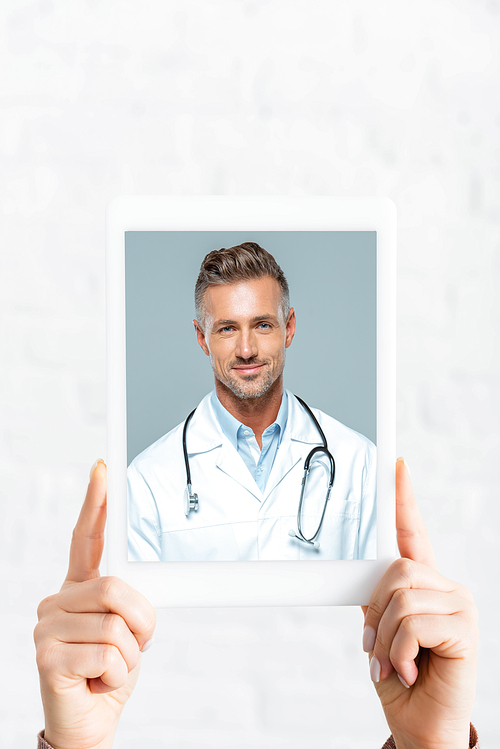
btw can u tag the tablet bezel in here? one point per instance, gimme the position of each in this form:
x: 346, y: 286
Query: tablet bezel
x: 260, y: 583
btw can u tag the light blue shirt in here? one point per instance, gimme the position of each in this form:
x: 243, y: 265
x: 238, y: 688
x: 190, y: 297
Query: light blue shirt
x: 259, y: 462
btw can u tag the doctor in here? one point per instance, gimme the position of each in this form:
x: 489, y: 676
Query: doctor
x: 247, y: 442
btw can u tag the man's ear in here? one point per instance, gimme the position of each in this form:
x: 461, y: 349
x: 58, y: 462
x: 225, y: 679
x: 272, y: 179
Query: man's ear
x: 290, y: 327
x: 200, y: 335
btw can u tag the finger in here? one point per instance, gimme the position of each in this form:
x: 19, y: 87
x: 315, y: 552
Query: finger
x: 413, y: 541
x: 101, y: 661
x: 402, y: 574
x: 407, y: 603
x: 78, y: 661
x: 88, y: 536
x: 97, y: 686
x: 108, y: 629
x: 444, y: 635
x: 111, y: 595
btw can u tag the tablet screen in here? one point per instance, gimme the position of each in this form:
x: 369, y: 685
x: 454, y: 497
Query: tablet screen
x: 248, y: 481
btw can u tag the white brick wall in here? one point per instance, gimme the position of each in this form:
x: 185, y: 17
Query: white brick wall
x: 250, y: 96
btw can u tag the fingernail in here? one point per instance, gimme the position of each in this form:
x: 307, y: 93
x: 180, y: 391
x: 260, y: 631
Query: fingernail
x: 402, y: 460
x: 147, y: 645
x: 375, y: 669
x: 369, y: 637
x: 403, y: 682
x: 94, y: 466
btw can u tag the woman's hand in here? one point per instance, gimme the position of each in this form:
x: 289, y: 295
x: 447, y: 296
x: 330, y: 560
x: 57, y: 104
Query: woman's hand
x: 89, y: 638
x: 421, y: 633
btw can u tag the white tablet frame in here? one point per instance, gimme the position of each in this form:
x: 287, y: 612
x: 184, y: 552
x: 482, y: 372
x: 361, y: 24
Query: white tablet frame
x: 262, y: 583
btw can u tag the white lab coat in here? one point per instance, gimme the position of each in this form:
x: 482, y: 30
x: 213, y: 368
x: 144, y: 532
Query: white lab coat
x: 235, y: 520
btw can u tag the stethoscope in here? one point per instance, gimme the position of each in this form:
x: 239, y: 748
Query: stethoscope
x: 192, y: 501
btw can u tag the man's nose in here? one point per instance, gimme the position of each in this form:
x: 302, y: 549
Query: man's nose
x: 246, y: 347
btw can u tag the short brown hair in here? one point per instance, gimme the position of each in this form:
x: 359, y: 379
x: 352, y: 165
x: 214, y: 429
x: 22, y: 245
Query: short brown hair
x: 242, y: 262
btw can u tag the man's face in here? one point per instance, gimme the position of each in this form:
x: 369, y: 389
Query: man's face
x: 245, y: 335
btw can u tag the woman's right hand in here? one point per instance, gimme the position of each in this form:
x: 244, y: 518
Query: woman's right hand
x: 421, y: 633
x: 89, y: 638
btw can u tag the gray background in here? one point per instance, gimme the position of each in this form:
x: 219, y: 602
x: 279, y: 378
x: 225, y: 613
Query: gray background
x: 348, y: 97
x: 331, y: 363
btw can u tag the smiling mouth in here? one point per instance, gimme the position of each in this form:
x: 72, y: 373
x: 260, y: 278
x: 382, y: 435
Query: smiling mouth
x: 248, y: 369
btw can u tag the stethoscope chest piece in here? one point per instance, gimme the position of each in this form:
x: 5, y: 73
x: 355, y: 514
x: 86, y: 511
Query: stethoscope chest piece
x: 191, y: 501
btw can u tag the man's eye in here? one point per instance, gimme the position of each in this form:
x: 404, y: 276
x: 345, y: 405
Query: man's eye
x: 264, y: 325
x: 226, y: 329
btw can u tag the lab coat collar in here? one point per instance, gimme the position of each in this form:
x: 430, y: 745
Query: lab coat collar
x: 231, y: 462
x: 301, y: 427
x: 204, y: 432
x: 300, y: 434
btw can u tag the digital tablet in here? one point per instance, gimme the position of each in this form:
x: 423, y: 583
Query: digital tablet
x: 251, y: 398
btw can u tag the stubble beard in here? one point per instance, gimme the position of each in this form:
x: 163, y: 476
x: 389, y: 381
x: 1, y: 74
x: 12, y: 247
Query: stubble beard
x: 247, y: 387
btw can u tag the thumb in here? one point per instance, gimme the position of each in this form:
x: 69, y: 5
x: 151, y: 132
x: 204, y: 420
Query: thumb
x: 88, y: 536
x: 413, y: 541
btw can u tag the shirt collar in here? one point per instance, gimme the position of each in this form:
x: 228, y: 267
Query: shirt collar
x: 230, y: 425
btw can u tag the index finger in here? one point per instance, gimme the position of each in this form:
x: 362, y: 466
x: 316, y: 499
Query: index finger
x: 413, y: 541
x: 88, y: 536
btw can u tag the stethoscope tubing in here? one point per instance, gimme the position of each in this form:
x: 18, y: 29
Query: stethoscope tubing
x: 319, y: 449
x: 192, y: 502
